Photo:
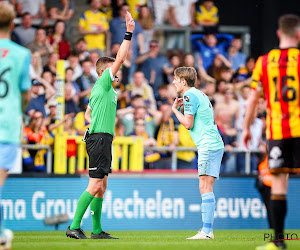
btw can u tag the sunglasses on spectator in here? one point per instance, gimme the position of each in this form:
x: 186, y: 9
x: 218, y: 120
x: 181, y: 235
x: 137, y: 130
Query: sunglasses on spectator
x: 153, y: 46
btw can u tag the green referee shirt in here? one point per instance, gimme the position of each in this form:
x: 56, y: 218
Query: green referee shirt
x: 103, y: 104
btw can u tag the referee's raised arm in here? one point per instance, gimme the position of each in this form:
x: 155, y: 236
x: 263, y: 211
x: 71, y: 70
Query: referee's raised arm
x: 124, y: 48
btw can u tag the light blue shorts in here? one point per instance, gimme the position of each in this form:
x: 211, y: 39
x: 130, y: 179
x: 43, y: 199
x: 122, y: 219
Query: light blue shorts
x: 8, y: 155
x: 209, y: 162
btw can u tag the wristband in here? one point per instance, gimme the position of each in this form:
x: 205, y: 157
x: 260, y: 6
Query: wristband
x: 128, y: 36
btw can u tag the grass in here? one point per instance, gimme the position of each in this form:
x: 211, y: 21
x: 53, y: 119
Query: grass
x: 166, y: 240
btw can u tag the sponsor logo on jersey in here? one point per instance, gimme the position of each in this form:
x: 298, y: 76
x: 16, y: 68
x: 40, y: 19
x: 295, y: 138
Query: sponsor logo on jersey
x: 187, y: 98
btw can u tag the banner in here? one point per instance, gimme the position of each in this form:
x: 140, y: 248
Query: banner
x: 141, y: 203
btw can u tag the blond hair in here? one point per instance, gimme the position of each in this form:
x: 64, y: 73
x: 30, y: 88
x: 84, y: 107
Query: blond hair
x: 289, y: 24
x: 187, y: 73
x: 7, y: 15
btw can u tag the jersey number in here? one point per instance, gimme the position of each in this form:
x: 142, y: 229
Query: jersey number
x: 3, y: 84
x: 285, y: 89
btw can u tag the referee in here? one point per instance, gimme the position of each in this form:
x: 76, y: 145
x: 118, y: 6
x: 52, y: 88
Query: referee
x: 101, y: 113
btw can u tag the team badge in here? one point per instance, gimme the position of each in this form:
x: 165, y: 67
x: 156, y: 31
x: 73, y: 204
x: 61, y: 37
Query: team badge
x: 186, y: 98
x: 115, y: 98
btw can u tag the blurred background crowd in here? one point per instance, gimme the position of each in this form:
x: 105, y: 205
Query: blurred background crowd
x: 144, y: 84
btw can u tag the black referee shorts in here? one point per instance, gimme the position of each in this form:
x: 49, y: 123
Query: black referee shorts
x: 98, y: 146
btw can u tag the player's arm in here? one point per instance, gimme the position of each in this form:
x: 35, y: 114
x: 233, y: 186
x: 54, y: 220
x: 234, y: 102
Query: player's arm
x: 256, y: 89
x: 124, y: 48
x: 187, y: 120
x: 87, y: 114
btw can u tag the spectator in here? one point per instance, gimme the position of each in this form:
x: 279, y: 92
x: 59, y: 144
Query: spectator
x: 93, y: 57
x: 220, y: 93
x: 145, y: 19
x: 154, y: 65
x: 182, y: 14
x: 245, y: 72
x: 41, y: 44
x: 127, y: 67
x: 256, y: 134
x: 185, y: 159
x: 69, y: 72
x: 38, y: 101
x: 210, y: 90
x: 48, y: 77
x: 135, y: 7
x: 175, y: 62
x: 70, y: 105
x: 73, y: 62
x: 36, y: 68
x: 25, y: 32
x: 162, y: 95
x: 207, y: 15
x: 51, y: 65
x: 148, y: 141
x: 59, y: 41
x: 93, y: 24
x: 34, y: 133
x: 63, y: 10
x: 150, y: 123
x: 69, y: 129
x: 114, y: 49
x: 51, y: 124
x: 230, y: 105
x: 235, y: 57
x: 116, y: 6
x: 36, y: 8
x: 242, y: 95
x: 215, y: 69
x: 159, y: 8
x: 80, y: 49
x: 166, y: 134
x: 139, y: 86
x: 210, y: 47
x: 117, y: 30
x: 85, y: 82
x: 107, y: 9
x: 123, y: 97
x: 127, y: 113
x: 80, y: 123
x: 228, y: 134
x: 226, y: 73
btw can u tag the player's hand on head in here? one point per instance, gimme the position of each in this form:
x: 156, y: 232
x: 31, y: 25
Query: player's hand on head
x: 130, y: 24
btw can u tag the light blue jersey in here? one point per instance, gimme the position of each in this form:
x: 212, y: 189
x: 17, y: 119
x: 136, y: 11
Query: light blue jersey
x: 14, y: 79
x: 204, y: 133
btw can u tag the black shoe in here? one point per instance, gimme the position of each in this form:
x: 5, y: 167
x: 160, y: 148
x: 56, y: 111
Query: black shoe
x: 103, y: 235
x: 76, y: 234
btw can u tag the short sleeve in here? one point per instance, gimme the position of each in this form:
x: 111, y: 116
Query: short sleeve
x: 257, y: 74
x: 190, y: 103
x: 106, y: 79
x: 82, y: 20
x: 25, y: 82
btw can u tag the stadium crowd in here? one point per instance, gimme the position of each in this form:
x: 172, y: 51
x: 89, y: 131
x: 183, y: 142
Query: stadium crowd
x: 145, y: 92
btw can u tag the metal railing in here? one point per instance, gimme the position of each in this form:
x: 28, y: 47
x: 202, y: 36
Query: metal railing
x: 243, y: 30
x: 39, y: 147
x: 177, y: 149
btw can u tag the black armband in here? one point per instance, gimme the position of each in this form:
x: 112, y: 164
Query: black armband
x: 128, y: 36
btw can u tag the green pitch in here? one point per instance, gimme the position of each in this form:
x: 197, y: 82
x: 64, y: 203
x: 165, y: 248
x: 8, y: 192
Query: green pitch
x: 136, y: 240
